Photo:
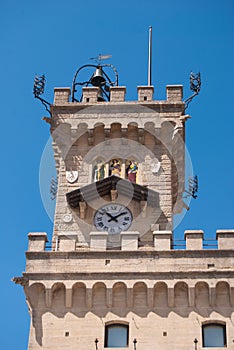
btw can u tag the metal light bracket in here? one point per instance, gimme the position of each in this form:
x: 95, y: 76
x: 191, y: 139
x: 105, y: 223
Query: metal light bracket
x: 38, y: 89
x: 193, y: 187
x: 195, y: 86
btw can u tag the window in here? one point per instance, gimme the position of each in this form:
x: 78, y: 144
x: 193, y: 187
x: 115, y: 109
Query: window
x: 116, y: 336
x: 214, y: 335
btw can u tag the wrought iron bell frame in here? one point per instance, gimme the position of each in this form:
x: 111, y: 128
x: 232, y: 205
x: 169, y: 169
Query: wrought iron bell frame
x: 104, y: 84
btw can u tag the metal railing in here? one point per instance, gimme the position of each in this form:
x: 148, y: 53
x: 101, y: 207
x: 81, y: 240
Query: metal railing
x: 207, y: 244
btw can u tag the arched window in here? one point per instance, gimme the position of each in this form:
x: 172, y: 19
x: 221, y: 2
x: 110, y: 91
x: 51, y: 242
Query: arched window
x: 214, y: 335
x: 116, y: 336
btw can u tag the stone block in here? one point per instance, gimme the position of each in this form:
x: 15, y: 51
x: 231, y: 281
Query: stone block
x: 129, y: 240
x: 225, y: 239
x: 145, y: 93
x: 174, y: 93
x: 90, y: 94
x: 37, y: 241
x: 67, y: 242
x: 194, y: 239
x: 98, y: 240
x: 61, y: 95
x: 117, y: 93
x: 162, y: 240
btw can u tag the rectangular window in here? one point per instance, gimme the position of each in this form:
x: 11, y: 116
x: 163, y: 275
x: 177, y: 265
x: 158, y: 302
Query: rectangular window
x: 214, y: 335
x: 116, y: 336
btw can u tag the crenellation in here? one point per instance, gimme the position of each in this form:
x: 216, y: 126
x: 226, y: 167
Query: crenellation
x: 145, y: 93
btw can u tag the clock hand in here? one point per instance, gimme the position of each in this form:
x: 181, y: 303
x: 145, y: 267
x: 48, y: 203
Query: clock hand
x: 105, y: 212
x: 115, y: 217
x: 112, y: 218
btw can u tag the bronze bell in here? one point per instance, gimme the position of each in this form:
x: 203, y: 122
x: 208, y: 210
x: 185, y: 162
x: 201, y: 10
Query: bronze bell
x: 98, y: 78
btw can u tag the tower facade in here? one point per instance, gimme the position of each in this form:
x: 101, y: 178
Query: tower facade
x: 112, y: 278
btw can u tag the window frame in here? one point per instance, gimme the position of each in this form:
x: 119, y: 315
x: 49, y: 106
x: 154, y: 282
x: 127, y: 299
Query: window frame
x: 119, y: 324
x: 216, y: 324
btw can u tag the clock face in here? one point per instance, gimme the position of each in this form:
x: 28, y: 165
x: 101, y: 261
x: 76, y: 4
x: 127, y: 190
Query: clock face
x: 113, y: 218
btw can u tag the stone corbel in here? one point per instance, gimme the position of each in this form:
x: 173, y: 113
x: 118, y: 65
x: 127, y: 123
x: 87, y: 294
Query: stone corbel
x: 185, y: 117
x: 82, y: 206
x: 23, y: 281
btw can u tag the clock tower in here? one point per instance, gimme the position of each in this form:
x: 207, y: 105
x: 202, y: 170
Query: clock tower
x: 112, y: 278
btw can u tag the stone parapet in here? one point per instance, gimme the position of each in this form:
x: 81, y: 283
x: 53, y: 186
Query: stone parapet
x: 37, y: 241
x: 117, y: 93
x: 194, y: 239
x: 67, y: 242
x: 162, y: 240
x: 129, y: 240
x: 90, y: 94
x: 145, y: 93
x: 174, y: 93
x: 61, y: 95
x: 225, y: 239
x: 98, y: 240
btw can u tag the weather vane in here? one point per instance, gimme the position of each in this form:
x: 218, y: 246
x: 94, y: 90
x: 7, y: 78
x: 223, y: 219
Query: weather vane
x: 100, y: 58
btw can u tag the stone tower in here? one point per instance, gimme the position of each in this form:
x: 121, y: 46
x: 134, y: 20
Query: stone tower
x: 112, y: 278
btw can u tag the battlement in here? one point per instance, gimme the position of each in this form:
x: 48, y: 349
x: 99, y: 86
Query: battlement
x: 90, y: 95
x: 194, y: 240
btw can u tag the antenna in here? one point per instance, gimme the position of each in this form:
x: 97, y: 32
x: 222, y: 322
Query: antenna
x: 150, y: 56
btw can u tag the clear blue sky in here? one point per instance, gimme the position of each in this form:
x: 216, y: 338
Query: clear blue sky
x: 56, y: 37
